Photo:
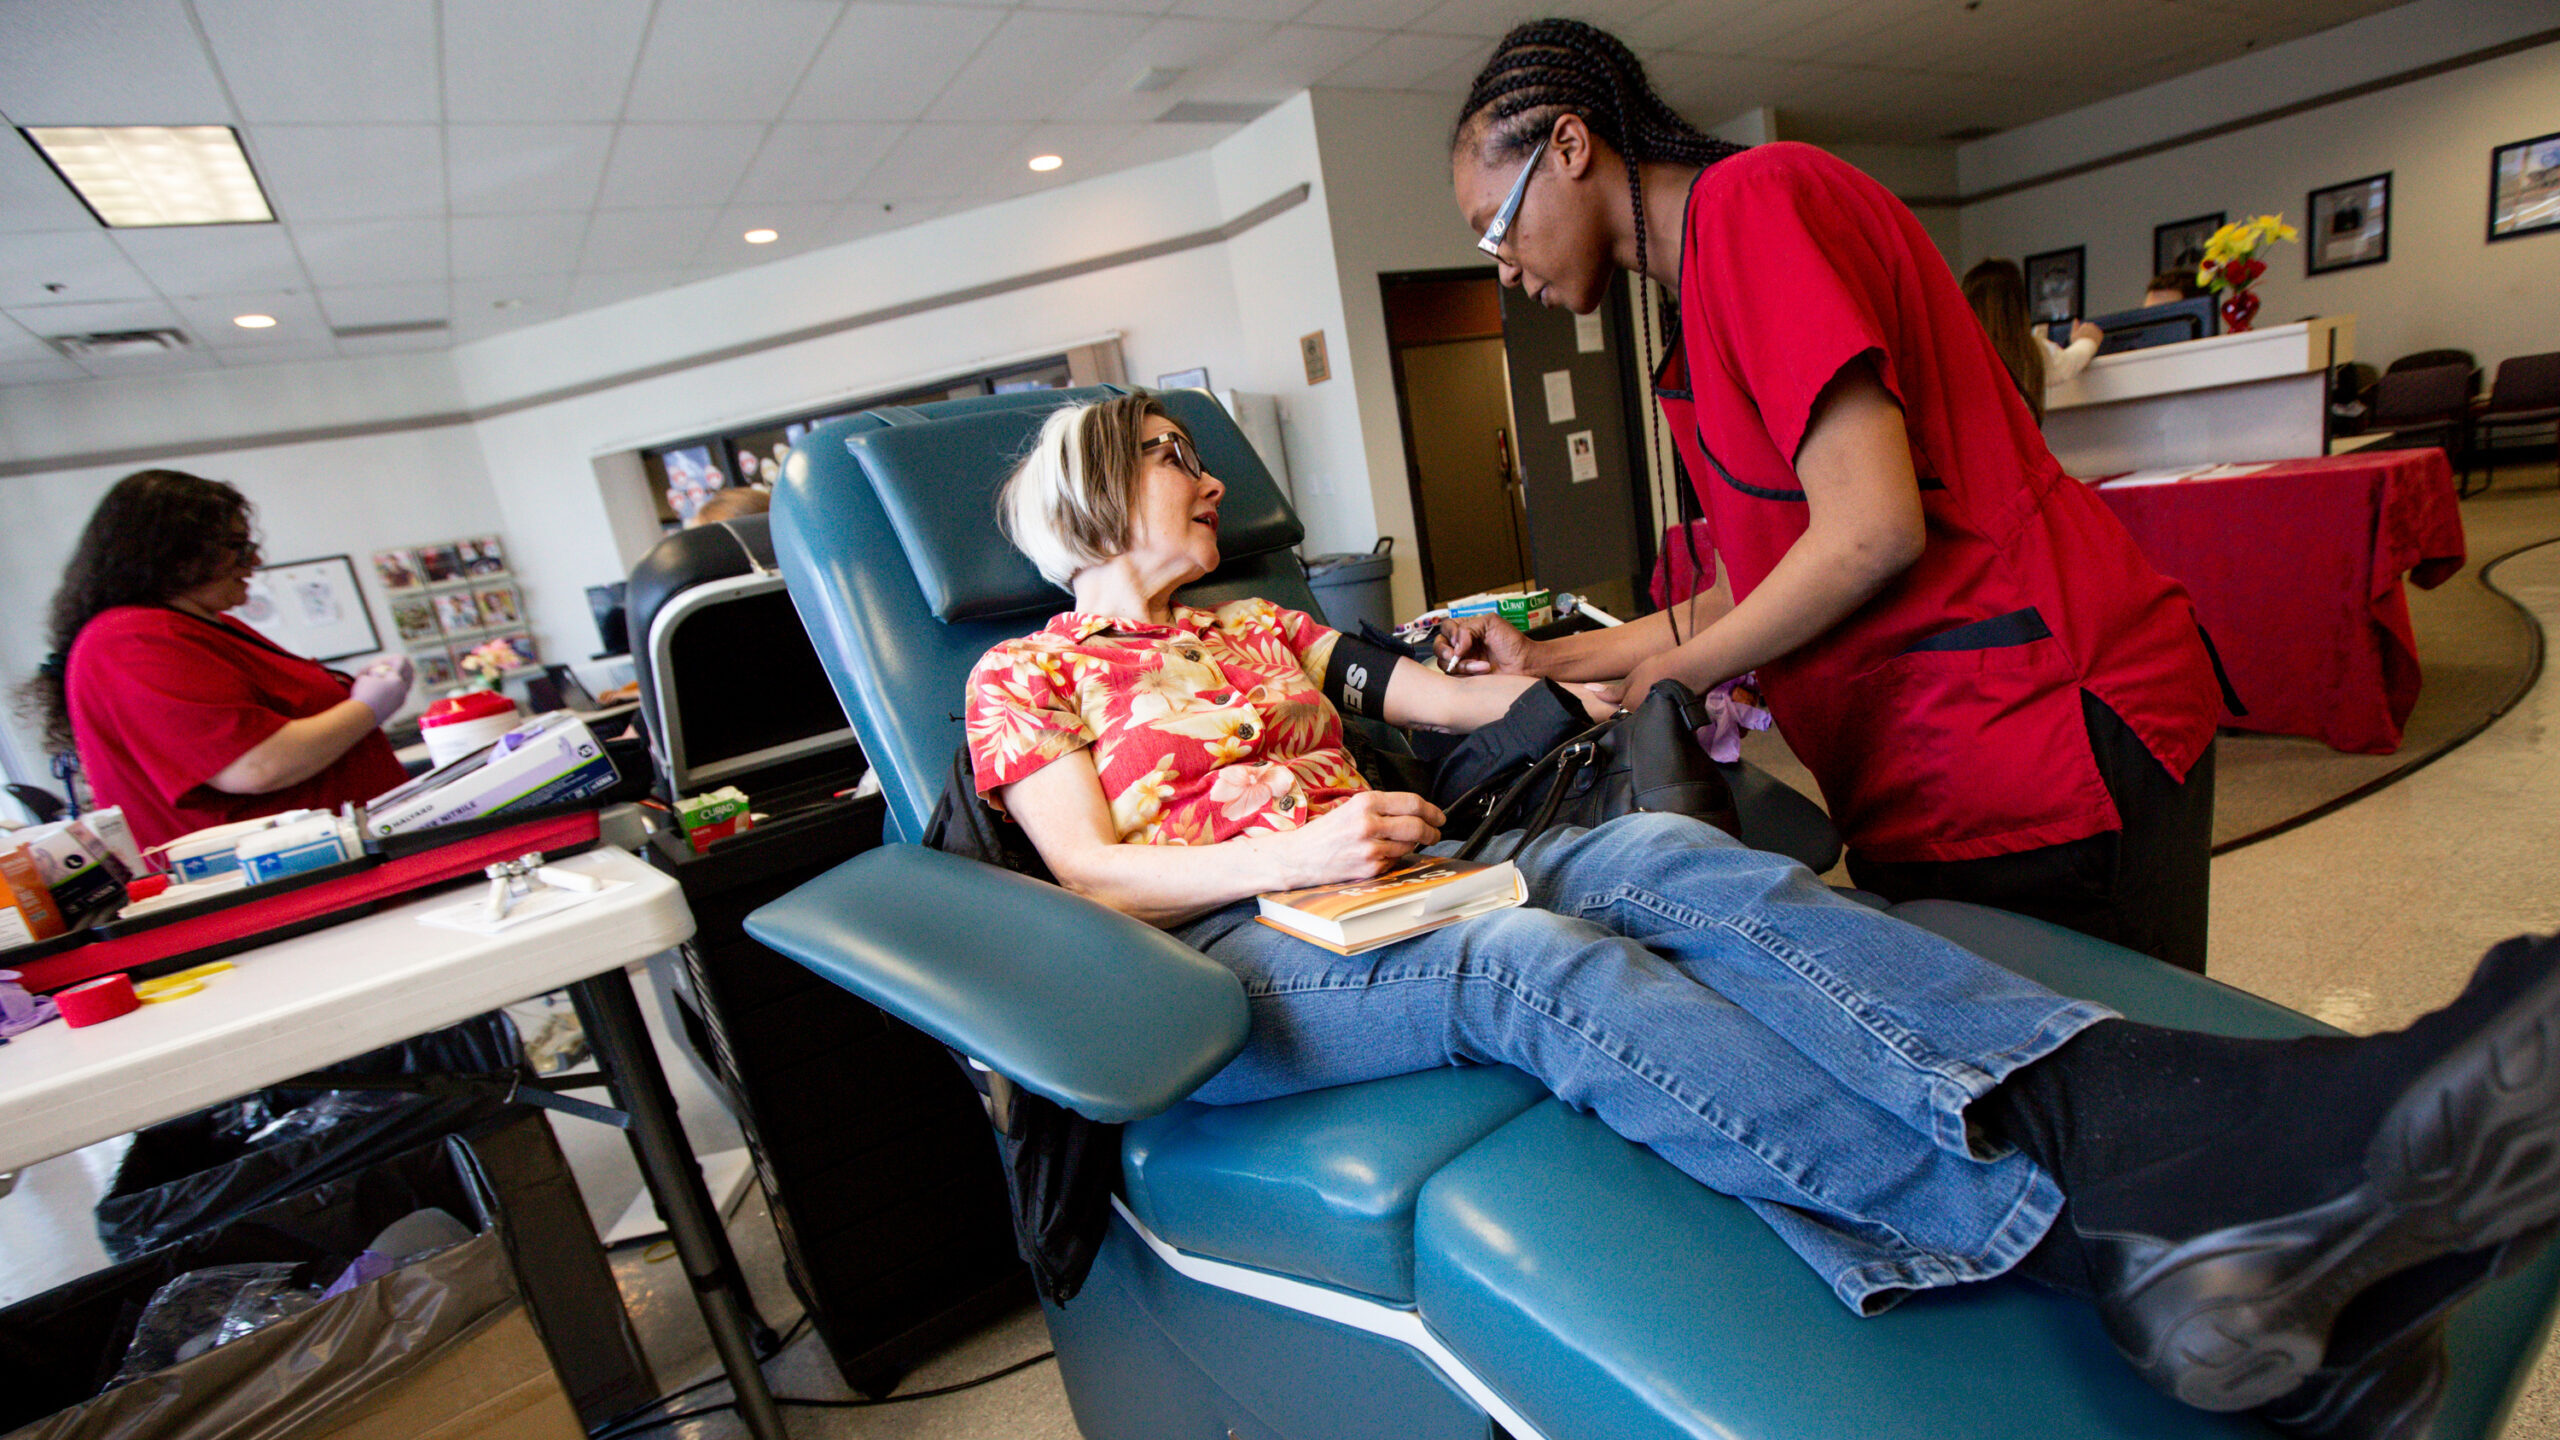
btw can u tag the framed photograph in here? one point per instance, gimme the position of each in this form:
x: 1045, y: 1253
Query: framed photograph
x: 2056, y: 288
x: 2524, y: 187
x: 2350, y: 225
x: 498, y: 605
x: 441, y: 564
x: 312, y: 607
x: 2179, y: 245
x: 483, y: 556
x: 457, y: 612
x: 1196, y: 378
x: 435, y: 670
x: 413, y: 619
x: 398, y: 569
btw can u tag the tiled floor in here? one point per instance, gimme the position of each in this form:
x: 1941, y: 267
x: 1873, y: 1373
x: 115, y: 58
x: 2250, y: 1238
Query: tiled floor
x: 2363, y: 918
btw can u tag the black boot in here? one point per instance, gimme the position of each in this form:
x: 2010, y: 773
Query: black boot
x: 2229, y: 1199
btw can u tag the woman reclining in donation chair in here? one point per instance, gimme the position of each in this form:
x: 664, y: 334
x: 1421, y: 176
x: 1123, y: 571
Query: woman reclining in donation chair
x: 1903, y: 1113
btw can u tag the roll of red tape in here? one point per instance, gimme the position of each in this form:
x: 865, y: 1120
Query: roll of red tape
x: 91, y: 1001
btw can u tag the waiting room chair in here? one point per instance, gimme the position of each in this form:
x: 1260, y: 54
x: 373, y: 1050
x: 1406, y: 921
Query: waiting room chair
x: 1448, y: 1255
x: 2526, y: 393
x: 2432, y: 359
x: 2432, y: 404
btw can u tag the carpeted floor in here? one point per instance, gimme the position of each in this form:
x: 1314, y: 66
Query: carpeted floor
x: 2477, y: 647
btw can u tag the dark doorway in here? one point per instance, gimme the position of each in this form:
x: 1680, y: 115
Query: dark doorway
x: 1444, y: 329
x: 1581, y: 451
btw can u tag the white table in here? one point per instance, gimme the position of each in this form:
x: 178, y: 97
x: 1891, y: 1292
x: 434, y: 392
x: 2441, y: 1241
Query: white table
x: 309, y: 1002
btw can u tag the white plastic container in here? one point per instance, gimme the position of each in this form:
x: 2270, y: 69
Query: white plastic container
x: 306, y: 844
x: 215, y: 850
x: 464, y: 724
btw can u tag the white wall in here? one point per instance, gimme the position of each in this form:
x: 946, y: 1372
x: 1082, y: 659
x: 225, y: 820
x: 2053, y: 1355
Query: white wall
x: 2444, y: 285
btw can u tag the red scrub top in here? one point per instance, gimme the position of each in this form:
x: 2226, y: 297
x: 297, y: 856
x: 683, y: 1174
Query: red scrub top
x: 1943, y: 717
x: 162, y: 701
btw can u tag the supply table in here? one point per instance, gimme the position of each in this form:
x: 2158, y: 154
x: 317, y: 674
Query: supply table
x: 305, y: 1003
x: 2297, y: 572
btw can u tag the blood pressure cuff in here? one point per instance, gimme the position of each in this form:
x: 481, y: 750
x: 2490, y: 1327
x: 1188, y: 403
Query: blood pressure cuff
x: 1356, y: 675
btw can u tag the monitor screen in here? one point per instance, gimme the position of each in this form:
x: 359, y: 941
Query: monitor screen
x: 748, y: 680
x: 613, y: 629
x: 2152, y: 325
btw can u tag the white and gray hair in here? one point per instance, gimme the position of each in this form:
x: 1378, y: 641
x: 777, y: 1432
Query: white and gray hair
x: 1066, y: 505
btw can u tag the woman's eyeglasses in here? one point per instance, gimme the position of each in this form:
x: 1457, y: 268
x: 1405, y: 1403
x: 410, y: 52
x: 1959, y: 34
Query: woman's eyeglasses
x: 1183, y: 454
x: 1500, y: 230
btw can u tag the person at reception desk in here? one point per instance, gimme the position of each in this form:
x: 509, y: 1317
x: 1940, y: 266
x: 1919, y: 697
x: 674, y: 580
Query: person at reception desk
x: 1997, y: 291
x: 179, y: 713
x: 2169, y: 287
x: 2001, y: 699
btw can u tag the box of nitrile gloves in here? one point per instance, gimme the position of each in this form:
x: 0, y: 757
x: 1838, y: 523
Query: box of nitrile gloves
x: 550, y: 760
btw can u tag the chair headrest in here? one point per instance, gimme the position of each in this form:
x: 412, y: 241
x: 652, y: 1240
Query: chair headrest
x: 938, y: 482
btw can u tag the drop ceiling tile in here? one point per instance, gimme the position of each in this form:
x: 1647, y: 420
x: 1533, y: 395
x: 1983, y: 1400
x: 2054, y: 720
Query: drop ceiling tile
x: 203, y: 259
x: 85, y: 264
x: 231, y: 356
x: 726, y: 59
x: 1089, y: 151
x: 659, y: 165
x: 32, y: 197
x: 296, y: 313
x: 19, y: 346
x: 1033, y: 63
x: 106, y: 62
x: 372, y: 252
x: 1188, y: 45
x: 858, y: 218
x: 1113, y: 7
x: 801, y: 226
x: 1679, y: 24
x: 1283, y: 63
x: 395, y: 344
x: 649, y: 239
x: 1404, y: 61
x: 540, y: 60
x: 48, y: 321
x: 485, y: 307
x: 493, y: 246
x: 1268, y: 12
x: 46, y: 371
x: 385, y: 304
x: 888, y: 62
x: 939, y: 161
x: 349, y: 172
x: 1163, y: 142
x: 524, y: 169
x: 1483, y: 19
x: 814, y: 162
x: 1365, y: 14
x: 326, y: 61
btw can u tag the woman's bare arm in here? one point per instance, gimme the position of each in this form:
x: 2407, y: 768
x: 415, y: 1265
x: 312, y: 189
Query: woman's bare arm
x: 1062, y: 807
x: 302, y: 749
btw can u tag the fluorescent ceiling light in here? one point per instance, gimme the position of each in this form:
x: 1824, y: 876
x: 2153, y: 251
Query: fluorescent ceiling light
x: 139, y: 175
x: 1046, y: 162
x: 761, y: 237
x: 254, y: 322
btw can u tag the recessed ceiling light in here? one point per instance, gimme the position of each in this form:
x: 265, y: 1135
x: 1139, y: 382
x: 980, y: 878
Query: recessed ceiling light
x: 140, y: 175
x: 761, y: 237
x: 254, y: 322
x: 1047, y: 162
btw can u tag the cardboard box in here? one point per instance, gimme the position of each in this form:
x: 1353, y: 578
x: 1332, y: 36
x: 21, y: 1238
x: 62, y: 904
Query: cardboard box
x: 549, y: 760
x: 713, y: 815
x: 28, y: 898
x: 496, y: 1385
x: 1524, y: 609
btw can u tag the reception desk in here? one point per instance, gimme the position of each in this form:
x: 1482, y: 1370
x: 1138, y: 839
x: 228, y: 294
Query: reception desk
x: 2258, y: 395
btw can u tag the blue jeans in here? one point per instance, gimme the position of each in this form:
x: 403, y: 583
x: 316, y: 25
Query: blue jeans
x: 1776, y: 1042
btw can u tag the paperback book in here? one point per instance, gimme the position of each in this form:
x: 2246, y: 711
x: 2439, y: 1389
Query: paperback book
x: 1350, y: 916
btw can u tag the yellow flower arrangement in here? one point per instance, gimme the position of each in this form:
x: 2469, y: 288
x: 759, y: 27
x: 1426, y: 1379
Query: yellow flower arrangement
x: 2231, y: 256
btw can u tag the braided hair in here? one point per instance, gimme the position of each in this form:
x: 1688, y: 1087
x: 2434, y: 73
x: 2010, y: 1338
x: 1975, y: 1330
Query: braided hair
x: 1548, y: 68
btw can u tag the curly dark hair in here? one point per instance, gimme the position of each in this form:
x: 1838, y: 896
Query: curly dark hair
x: 157, y: 534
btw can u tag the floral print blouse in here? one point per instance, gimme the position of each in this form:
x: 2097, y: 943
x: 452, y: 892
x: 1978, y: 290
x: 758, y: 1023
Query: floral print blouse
x: 1203, y: 730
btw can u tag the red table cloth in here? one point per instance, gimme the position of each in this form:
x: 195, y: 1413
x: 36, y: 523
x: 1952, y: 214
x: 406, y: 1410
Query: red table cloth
x: 2297, y: 572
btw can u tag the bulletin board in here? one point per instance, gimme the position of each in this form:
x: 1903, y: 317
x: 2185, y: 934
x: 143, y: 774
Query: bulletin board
x: 311, y: 607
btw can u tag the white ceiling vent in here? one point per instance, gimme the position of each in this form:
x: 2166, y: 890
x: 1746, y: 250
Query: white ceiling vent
x: 117, y: 343
x: 390, y: 328
x: 1212, y: 112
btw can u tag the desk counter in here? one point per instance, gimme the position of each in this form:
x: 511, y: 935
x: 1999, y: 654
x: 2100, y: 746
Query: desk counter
x: 2257, y: 395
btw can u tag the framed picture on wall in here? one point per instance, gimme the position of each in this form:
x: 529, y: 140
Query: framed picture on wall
x: 2350, y: 225
x: 2524, y: 187
x: 2057, y: 289
x: 311, y: 607
x: 2179, y: 245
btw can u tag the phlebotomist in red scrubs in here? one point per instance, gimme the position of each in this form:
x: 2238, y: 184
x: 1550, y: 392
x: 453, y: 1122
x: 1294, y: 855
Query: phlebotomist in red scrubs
x: 2002, y: 701
x: 181, y: 715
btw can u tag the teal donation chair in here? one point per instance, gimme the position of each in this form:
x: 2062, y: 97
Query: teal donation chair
x: 1452, y: 1255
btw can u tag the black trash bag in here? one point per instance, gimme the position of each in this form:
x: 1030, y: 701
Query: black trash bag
x: 199, y: 1171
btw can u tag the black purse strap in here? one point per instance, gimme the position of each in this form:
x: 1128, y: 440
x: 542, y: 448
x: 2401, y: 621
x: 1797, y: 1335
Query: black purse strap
x: 1577, y: 751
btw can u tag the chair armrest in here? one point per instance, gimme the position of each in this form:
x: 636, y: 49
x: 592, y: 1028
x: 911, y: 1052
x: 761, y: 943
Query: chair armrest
x: 1111, y: 1018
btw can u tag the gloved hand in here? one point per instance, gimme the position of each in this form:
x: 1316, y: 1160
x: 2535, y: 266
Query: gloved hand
x: 383, y: 684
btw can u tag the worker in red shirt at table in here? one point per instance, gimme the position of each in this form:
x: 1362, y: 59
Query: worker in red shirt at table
x: 180, y: 714
x: 2002, y: 701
